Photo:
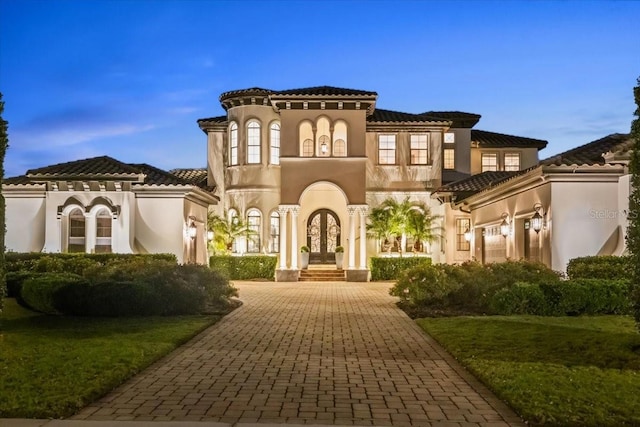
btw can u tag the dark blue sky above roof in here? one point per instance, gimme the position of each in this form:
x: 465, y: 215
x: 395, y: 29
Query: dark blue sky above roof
x: 130, y: 78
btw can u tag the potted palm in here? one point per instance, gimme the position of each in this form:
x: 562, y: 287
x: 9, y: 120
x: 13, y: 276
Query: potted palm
x: 304, y: 257
x: 339, y: 257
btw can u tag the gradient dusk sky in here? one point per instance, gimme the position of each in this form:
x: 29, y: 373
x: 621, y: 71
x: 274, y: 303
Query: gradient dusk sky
x: 129, y: 78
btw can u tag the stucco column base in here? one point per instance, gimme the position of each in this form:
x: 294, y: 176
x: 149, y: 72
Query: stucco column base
x: 287, y: 275
x: 357, y: 275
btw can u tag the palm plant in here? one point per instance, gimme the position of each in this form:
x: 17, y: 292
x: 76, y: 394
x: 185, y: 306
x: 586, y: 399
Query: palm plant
x: 422, y: 227
x: 226, y: 230
x: 380, y: 227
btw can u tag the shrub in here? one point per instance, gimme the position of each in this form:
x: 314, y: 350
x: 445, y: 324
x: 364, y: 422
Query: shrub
x: 508, y: 273
x: 608, y: 267
x: 521, y: 298
x: 104, y: 299
x: 72, y: 262
x: 245, y: 267
x: 38, y: 291
x: 390, y: 268
x: 425, y: 285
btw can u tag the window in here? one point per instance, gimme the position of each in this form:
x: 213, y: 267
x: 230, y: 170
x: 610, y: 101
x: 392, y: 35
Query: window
x: 339, y: 148
x: 489, y: 162
x: 387, y: 149
x: 103, y: 232
x: 233, y: 144
x: 449, y: 155
x: 274, y: 231
x: 340, y: 139
x: 274, y: 137
x: 512, y: 161
x: 76, y: 231
x: 232, y: 216
x: 463, y: 225
x: 253, y: 225
x: 253, y: 142
x: 307, y: 148
x: 419, y: 149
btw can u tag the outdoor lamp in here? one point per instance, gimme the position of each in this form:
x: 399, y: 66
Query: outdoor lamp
x: 193, y: 230
x: 537, y: 220
x: 467, y: 235
x: 505, y: 227
x: 210, y: 235
x: 324, y: 148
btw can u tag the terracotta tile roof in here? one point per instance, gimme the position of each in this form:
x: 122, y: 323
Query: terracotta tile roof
x: 476, y: 183
x: 459, y: 119
x: 245, y: 92
x: 325, y: 91
x: 105, y: 168
x: 197, y: 176
x: 213, y: 120
x: 380, y: 115
x: 493, y: 139
x: 591, y: 153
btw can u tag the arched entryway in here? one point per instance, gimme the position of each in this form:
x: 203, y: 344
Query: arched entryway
x: 323, y: 236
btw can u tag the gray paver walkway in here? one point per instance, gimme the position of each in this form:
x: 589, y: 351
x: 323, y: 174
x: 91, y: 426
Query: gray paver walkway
x: 308, y: 353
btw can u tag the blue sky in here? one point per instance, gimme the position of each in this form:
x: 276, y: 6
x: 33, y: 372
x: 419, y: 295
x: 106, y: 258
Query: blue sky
x: 129, y: 78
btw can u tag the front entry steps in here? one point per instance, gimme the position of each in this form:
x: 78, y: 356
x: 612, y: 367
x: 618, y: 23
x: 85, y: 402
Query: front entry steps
x: 321, y: 273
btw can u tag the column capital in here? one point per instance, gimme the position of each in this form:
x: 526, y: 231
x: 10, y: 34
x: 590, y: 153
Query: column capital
x: 352, y: 209
x: 364, y: 209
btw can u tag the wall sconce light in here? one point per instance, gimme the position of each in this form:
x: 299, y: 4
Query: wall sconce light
x: 467, y: 235
x: 505, y: 226
x: 538, y: 220
x: 210, y: 235
x: 192, y: 230
x: 324, y: 148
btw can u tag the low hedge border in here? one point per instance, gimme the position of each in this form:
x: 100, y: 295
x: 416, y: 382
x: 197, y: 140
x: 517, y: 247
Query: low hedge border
x: 248, y: 267
x: 390, y: 268
x: 607, y: 267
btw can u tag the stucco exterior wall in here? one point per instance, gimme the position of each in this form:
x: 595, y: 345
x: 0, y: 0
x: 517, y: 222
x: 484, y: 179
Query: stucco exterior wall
x: 161, y: 226
x: 25, y: 222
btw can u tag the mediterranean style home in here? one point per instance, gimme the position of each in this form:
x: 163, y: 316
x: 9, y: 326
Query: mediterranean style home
x: 303, y: 167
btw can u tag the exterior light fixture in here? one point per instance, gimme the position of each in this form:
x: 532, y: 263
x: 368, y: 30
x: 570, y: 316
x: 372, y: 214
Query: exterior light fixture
x: 210, y: 235
x: 505, y: 227
x: 537, y: 220
x: 193, y: 230
x: 467, y: 235
x: 324, y: 148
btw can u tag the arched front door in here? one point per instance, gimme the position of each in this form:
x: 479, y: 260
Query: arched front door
x: 323, y: 236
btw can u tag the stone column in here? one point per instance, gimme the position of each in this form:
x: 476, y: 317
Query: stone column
x: 294, y: 236
x: 363, y: 237
x: 352, y: 237
x: 282, y: 210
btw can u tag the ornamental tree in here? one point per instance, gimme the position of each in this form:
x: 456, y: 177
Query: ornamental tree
x: 633, y: 232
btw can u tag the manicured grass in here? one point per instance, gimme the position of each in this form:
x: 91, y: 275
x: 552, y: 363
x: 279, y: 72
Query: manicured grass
x: 52, y: 366
x: 555, y: 371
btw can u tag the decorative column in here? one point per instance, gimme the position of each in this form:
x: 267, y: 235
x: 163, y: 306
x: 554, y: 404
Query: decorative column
x: 295, y: 210
x: 363, y: 236
x: 352, y: 237
x: 282, y: 211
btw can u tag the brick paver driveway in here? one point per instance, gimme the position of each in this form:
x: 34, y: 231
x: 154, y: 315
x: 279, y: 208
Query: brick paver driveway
x: 309, y: 353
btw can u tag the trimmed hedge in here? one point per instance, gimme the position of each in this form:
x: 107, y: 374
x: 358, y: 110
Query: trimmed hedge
x: 390, y: 268
x: 568, y: 298
x: 245, y: 267
x: 609, y: 267
x: 38, y: 291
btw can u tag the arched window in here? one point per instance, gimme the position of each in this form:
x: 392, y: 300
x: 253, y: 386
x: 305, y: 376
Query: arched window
x: 340, y: 139
x: 233, y: 144
x: 274, y: 231
x: 232, y: 218
x: 103, y: 231
x: 322, y: 137
x: 274, y: 137
x: 253, y: 142
x: 77, y: 231
x: 255, y: 230
x: 306, y: 140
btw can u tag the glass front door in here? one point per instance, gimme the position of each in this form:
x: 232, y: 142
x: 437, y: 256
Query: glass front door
x: 323, y: 236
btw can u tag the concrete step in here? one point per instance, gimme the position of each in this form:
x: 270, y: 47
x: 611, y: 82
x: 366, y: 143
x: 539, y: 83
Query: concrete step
x: 321, y: 275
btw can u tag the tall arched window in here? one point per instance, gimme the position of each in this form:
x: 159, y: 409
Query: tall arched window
x: 255, y: 230
x: 274, y: 137
x: 323, y: 146
x: 340, y: 139
x: 232, y: 218
x: 253, y: 142
x: 306, y: 140
x: 274, y: 231
x: 77, y: 231
x: 103, y: 231
x: 233, y: 144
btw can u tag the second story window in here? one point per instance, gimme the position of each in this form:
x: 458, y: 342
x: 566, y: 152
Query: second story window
x: 253, y: 142
x: 339, y: 148
x: 275, y: 144
x: 512, y: 161
x: 387, y: 149
x: 419, y: 149
x: 233, y: 144
x: 449, y: 155
x: 489, y: 162
x: 307, y: 148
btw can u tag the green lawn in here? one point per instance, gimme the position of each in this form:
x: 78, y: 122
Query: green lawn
x: 51, y: 366
x: 555, y: 371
